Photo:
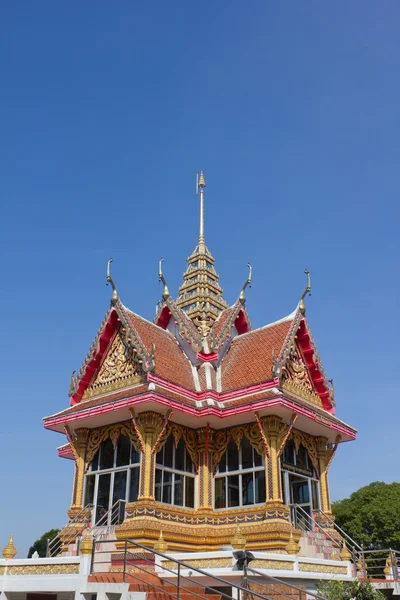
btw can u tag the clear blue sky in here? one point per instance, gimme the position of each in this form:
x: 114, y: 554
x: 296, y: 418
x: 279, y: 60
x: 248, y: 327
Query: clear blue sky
x: 107, y: 110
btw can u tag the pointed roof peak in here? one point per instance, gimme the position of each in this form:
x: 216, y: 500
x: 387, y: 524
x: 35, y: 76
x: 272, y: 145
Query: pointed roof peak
x: 200, y: 295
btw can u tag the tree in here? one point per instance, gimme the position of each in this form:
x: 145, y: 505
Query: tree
x: 371, y: 516
x: 348, y: 590
x: 40, y: 546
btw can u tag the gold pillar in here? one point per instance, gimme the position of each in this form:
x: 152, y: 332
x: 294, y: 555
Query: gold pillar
x: 273, y: 429
x: 322, y: 452
x: 205, y: 474
x: 78, y: 443
x: 150, y: 426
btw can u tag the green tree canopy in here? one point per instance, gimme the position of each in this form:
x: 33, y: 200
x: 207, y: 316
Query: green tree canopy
x: 348, y: 590
x: 40, y: 546
x: 371, y: 516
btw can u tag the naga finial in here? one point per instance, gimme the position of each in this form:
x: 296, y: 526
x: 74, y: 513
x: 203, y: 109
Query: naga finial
x: 114, y: 295
x: 162, y: 278
x: 72, y: 384
x: 242, y: 297
x: 302, y: 306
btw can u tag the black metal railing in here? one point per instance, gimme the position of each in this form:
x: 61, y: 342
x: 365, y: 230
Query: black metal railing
x: 148, y: 568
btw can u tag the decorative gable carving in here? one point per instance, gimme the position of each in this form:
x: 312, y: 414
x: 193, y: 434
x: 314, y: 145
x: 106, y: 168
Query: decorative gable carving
x: 120, y: 368
x: 296, y: 378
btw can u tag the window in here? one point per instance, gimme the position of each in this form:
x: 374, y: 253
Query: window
x: 299, y: 483
x: 174, y: 475
x: 240, y: 477
x: 113, y: 475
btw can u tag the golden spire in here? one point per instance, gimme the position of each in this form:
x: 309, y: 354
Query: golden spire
x: 86, y: 545
x: 302, y: 306
x: 9, y: 551
x: 242, y: 297
x: 114, y: 295
x: 201, y: 184
x: 162, y: 278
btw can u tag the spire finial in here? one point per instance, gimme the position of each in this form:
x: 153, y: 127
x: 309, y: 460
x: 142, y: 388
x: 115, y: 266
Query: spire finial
x: 242, y: 297
x: 114, y: 295
x: 200, y: 185
x: 302, y: 306
x: 162, y: 278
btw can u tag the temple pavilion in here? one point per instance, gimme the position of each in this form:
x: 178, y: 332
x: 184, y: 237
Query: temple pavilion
x: 200, y: 423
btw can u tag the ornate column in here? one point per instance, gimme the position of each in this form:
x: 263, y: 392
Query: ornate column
x: 78, y: 442
x: 150, y: 428
x: 325, y: 453
x: 276, y: 433
x: 205, y: 437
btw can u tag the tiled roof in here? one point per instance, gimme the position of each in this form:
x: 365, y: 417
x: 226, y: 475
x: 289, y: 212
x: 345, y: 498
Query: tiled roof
x: 222, y: 320
x: 170, y: 361
x: 249, y: 359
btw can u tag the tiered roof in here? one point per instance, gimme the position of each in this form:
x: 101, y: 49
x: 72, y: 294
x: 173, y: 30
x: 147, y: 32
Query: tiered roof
x: 204, y: 362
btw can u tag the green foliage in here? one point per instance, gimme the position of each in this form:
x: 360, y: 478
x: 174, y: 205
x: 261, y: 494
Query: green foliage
x: 40, y: 546
x: 343, y: 590
x: 371, y: 516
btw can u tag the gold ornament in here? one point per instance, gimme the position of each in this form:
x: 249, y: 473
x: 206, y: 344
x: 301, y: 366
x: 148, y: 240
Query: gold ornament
x: 161, y: 545
x: 345, y: 554
x: 86, y: 545
x: 10, y: 551
x: 292, y: 547
x: 238, y: 542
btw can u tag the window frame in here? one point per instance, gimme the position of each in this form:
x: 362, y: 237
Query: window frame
x: 174, y: 471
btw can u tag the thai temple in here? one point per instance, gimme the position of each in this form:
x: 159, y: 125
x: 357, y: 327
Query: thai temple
x: 194, y: 437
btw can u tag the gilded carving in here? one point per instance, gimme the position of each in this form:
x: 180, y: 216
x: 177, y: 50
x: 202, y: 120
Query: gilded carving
x: 296, y: 379
x: 200, y: 563
x: 309, y: 444
x: 67, y: 569
x: 121, y: 368
x: 312, y: 568
x: 113, y: 432
x: 264, y: 563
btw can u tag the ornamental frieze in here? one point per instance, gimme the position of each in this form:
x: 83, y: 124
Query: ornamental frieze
x: 113, y: 432
x: 67, y: 569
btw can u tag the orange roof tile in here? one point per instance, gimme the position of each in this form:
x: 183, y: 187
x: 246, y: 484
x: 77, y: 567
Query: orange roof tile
x: 249, y: 358
x: 170, y: 361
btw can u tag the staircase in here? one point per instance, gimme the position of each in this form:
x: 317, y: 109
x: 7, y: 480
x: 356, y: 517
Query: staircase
x: 315, y: 544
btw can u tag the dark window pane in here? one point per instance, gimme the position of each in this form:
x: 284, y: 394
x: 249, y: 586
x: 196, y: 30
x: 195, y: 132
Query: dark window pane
x: 247, y: 489
x: 300, y: 492
x: 135, y: 456
x: 134, y: 485
x: 168, y: 452
x: 233, y: 456
x: 189, y: 492
x: 107, y: 455
x: 119, y: 492
x: 288, y: 453
x: 315, y: 494
x: 167, y: 488
x: 180, y: 456
x: 158, y: 494
x: 89, y: 493
x: 178, y: 490
x: 94, y: 465
x: 259, y: 487
x: 247, y: 454
x: 220, y: 492
x: 123, y: 451
x: 189, y: 464
x: 258, y: 461
x: 302, y: 458
x: 103, y: 495
x: 233, y: 490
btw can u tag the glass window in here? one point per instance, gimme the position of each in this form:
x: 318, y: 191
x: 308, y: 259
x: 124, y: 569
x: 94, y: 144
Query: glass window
x: 240, y: 477
x: 174, y: 475
x: 109, y: 479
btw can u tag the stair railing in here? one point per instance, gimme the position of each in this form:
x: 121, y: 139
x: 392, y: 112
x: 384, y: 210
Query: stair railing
x: 302, y: 520
x: 114, y: 516
x: 343, y: 534
x: 179, y: 577
x: 82, y: 520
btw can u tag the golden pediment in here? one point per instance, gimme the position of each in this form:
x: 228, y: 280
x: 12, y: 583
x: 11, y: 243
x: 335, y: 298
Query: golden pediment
x: 296, y: 378
x: 119, y: 369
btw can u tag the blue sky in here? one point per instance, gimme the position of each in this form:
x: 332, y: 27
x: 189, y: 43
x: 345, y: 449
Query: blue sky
x: 107, y: 110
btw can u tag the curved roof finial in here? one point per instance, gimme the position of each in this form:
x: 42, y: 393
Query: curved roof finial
x: 302, y: 306
x: 242, y: 297
x: 114, y: 295
x: 162, y: 278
